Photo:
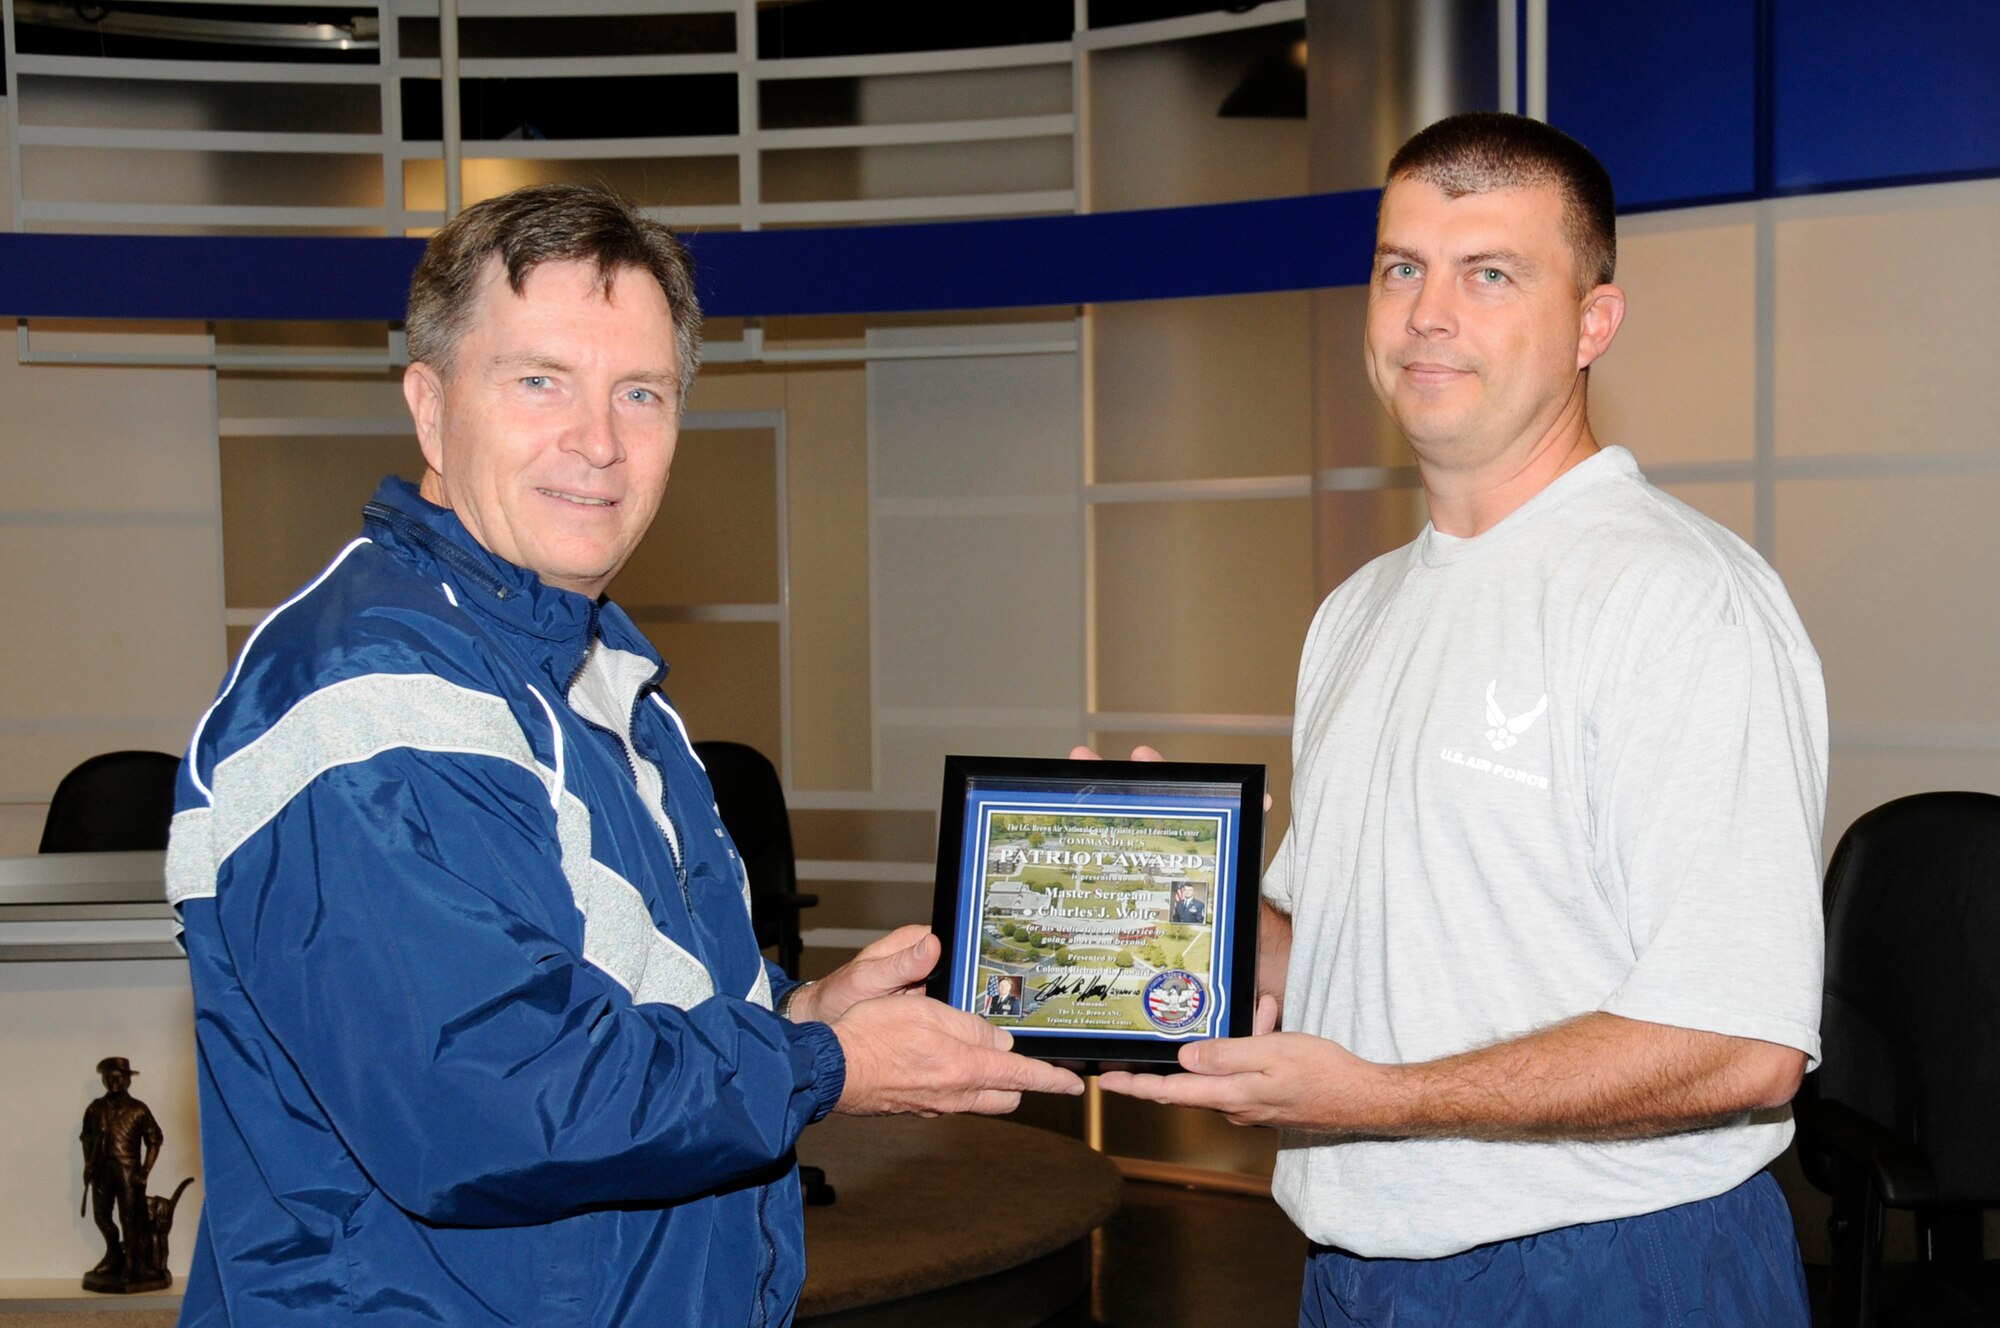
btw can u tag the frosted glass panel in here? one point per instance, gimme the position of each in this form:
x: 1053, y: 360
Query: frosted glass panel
x: 141, y: 175
x: 811, y: 175
x: 666, y: 182
x: 978, y: 611
x: 991, y: 426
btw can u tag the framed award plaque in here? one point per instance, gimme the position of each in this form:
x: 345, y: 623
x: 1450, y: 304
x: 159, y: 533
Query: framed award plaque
x: 1103, y: 912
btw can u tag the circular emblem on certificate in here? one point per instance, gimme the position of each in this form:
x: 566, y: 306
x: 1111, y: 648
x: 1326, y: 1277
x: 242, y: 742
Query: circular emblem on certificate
x: 1175, y: 1000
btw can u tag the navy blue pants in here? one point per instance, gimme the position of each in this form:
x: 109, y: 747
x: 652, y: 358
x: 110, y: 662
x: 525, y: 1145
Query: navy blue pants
x: 1724, y: 1262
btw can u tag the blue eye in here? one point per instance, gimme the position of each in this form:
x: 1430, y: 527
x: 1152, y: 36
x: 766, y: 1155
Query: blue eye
x: 640, y: 394
x: 1492, y: 276
x: 1406, y: 271
x: 536, y: 381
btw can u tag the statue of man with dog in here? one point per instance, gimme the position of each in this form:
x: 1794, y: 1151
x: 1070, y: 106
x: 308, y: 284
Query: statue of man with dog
x: 121, y: 1141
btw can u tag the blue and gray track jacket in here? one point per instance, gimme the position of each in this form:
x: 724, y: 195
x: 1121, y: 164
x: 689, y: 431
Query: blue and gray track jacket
x: 484, y: 1033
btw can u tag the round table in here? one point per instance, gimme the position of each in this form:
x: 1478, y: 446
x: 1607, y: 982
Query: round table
x: 961, y: 1219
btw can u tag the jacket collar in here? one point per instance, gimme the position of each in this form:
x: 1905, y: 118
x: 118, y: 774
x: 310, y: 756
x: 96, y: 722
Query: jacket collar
x: 562, y: 622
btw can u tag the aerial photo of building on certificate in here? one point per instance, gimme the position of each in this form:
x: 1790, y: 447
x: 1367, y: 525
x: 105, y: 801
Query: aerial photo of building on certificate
x: 1099, y: 921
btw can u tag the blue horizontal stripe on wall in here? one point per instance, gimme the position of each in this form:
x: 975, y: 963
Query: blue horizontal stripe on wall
x: 1166, y: 253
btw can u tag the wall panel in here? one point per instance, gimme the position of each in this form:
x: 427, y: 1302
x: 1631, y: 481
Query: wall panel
x: 1665, y: 95
x: 976, y: 551
x: 724, y: 679
x: 1893, y: 577
x: 289, y: 504
x: 1202, y: 606
x: 110, y: 532
x: 1156, y: 138
x: 715, y: 540
x: 1871, y: 92
x: 1202, y: 389
x: 1884, y: 309
x: 1679, y: 383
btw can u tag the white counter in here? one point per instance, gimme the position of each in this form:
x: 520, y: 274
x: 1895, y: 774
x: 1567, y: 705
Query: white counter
x: 69, y: 906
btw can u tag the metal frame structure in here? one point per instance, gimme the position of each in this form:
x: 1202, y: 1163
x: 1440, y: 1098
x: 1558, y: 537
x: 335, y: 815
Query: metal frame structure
x: 33, y: 209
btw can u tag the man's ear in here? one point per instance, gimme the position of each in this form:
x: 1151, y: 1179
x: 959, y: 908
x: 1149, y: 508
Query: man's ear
x: 1603, y: 312
x: 423, y: 392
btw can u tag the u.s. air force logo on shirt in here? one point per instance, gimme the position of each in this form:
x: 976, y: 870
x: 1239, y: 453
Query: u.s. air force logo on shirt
x: 1502, y: 731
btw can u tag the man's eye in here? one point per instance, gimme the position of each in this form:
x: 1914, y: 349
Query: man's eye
x: 1403, y: 271
x: 536, y: 381
x: 640, y: 395
x: 1491, y: 276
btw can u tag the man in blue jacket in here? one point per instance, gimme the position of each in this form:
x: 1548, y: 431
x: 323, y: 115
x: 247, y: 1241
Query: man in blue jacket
x: 484, y: 1032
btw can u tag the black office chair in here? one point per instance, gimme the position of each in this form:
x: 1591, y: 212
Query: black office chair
x: 1904, y: 1111
x: 752, y: 803
x: 114, y: 803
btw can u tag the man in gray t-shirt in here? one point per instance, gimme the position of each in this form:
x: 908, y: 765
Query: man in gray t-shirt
x: 1544, y: 933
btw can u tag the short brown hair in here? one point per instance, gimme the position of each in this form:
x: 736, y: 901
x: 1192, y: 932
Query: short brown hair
x: 1482, y: 151
x: 547, y: 223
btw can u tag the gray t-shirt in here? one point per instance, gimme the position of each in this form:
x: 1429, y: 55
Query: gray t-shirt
x: 1574, y: 764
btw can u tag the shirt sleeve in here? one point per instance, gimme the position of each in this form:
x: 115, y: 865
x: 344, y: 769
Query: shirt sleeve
x: 1277, y: 885
x: 1708, y: 797
x: 397, y: 929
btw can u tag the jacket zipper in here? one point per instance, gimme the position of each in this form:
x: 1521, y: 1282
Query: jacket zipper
x: 770, y: 1258
x: 416, y: 533
x: 625, y: 754
x: 674, y: 849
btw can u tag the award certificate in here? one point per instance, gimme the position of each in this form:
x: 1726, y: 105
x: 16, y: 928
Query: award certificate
x: 1103, y: 912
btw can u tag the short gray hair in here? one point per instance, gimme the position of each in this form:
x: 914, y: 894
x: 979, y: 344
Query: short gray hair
x: 547, y: 223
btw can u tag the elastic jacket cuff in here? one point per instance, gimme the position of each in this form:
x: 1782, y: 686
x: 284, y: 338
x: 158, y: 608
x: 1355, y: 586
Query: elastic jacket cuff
x: 824, y: 1065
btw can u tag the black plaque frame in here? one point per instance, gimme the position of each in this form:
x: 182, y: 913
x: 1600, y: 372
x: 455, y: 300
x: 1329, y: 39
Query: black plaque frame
x: 1009, y: 826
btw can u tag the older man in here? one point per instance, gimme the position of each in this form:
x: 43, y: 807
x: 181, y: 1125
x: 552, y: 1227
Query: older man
x: 484, y: 1033
x: 1550, y: 891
